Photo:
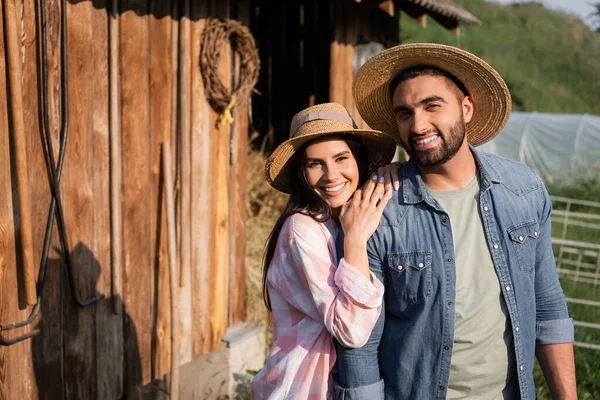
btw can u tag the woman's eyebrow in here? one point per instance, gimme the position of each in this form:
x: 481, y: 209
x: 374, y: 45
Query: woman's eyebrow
x: 341, y: 153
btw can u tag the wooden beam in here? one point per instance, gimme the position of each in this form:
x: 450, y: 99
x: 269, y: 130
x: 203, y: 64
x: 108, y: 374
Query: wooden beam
x: 109, y: 352
x: 137, y: 189
x: 388, y: 7
x: 78, y: 202
x: 201, y: 138
x: 186, y: 71
x: 13, y: 51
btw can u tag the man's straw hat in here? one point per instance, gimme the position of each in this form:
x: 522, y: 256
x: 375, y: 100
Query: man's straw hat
x: 321, y: 120
x: 489, y: 93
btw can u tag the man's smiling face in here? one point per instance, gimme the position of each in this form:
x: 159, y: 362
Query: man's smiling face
x: 431, y: 114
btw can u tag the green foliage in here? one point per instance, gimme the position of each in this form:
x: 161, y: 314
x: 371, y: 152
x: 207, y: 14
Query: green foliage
x: 549, y: 59
x: 587, y: 361
x: 596, y: 16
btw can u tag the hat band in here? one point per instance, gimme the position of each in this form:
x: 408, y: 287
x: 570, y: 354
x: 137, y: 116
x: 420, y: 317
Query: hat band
x: 328, y: 115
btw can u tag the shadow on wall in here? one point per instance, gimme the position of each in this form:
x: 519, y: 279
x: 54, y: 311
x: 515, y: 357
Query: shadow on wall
x: 80, y: 352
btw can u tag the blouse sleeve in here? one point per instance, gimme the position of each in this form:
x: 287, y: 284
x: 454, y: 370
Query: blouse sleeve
x: 343, y: 298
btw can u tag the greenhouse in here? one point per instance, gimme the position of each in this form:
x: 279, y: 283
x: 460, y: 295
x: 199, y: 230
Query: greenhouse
x: 559, y: 147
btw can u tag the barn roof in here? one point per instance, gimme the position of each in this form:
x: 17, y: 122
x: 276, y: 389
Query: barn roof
x: 446, y: 12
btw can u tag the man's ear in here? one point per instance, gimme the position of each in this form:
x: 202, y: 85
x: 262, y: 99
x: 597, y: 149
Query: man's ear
x: 467, y: 109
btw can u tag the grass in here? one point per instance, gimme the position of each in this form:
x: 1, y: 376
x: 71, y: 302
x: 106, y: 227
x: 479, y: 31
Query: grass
x: 587, y: 361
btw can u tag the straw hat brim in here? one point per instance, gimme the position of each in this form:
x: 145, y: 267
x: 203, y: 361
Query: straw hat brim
x: 380, y: 146
x: 487, y: 89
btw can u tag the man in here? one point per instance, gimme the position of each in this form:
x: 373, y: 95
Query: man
x: 463, y: 247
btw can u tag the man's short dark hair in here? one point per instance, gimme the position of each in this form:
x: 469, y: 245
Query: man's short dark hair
x: 409, y: 73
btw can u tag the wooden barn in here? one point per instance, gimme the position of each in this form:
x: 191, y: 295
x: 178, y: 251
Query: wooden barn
x: 97, y: 95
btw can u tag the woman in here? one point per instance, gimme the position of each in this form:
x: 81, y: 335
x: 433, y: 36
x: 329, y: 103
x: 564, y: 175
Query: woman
x: 312, y: 295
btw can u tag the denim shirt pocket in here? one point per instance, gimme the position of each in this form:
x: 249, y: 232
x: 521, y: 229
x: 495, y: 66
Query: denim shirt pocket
x: 410, y: 274
x: 524, y: 241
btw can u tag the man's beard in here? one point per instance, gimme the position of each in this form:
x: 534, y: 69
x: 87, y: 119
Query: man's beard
x: 450, y: 144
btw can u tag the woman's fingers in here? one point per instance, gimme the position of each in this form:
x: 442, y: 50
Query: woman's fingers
x: 368, y: 188
x: 384, y: 200
x: 386, y: 173
x: 395, y: 179
x: 377, y: 194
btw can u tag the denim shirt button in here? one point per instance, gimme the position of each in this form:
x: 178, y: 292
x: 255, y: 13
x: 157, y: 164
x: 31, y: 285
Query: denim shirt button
x: 508, y: 288
x: 485, y: 208
x: 400, y: 267
x: 449, y: 260
x: 446, y: 348
x: 444, y: 220
x: 449, y: 304
x: 442, y: 387
x: 521, y: 368
x: 517, y: 329
x: 495, y: 246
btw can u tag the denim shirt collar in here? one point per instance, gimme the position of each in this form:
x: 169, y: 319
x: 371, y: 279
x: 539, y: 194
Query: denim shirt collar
x: 414, y: 189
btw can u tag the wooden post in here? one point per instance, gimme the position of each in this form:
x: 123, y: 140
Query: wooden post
x: 108, y: 328
x: 185, y: 180
x: 184, y: 93
x: 115, y: 163
x: 172, y: 243
x: 13, y: 49
x: 200, y: 192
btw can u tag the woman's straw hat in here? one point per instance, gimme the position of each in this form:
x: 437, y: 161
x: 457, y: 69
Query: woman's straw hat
x: 489, y: 93
x: 321, y: 120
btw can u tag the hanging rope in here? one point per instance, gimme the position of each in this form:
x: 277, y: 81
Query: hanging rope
x: 215, y: 35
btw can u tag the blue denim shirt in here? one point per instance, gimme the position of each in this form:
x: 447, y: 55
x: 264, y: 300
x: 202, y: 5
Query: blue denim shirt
x: 415, y: 347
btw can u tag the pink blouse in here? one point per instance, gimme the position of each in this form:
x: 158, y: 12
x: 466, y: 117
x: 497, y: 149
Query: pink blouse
x: 313, y: 298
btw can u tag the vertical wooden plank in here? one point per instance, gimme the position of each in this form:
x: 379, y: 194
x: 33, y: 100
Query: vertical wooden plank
x: 116, y: 163
x: 237, y: 190
x: 109, y: 325
x: 47, y: 347
x: 337, y: 56
x: 13, y: 35
x: 342, y: 55
x: 201, y: 177
x: 39, y: 199
x: 11, y: 366
x: 186, y: 64
x: 219, y: 216
x: 160, y: 127
x: 77, y: 199
x: 137, y: 187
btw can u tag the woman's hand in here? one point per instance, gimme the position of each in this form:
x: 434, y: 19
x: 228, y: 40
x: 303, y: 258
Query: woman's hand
x: 360, y: 217
x: 389, y: 173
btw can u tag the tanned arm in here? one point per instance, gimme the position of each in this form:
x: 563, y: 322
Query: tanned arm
x: 558, y: 364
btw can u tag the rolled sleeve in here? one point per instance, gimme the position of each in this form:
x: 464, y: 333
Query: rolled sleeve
x: 555, y: 331
x: 357, y: 287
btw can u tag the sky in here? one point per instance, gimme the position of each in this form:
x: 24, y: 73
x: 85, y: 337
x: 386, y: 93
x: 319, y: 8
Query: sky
x: 581, y: 8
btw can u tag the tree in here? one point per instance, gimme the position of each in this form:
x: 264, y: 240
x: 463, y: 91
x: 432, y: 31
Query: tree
x: 596, y: 16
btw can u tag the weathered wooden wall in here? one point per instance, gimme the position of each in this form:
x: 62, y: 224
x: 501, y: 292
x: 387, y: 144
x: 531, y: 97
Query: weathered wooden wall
x: 95, y: 353
x: 354, y: 21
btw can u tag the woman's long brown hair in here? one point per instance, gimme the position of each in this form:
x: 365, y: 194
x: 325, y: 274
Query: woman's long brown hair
x: 304, y: 200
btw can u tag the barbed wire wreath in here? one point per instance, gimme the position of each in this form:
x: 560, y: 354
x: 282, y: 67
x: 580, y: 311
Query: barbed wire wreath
x: 216, y: 33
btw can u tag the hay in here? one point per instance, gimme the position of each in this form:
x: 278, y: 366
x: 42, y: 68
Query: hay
x: 263, y: 207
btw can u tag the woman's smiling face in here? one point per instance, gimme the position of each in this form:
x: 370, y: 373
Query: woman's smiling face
x: 331, y: 171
